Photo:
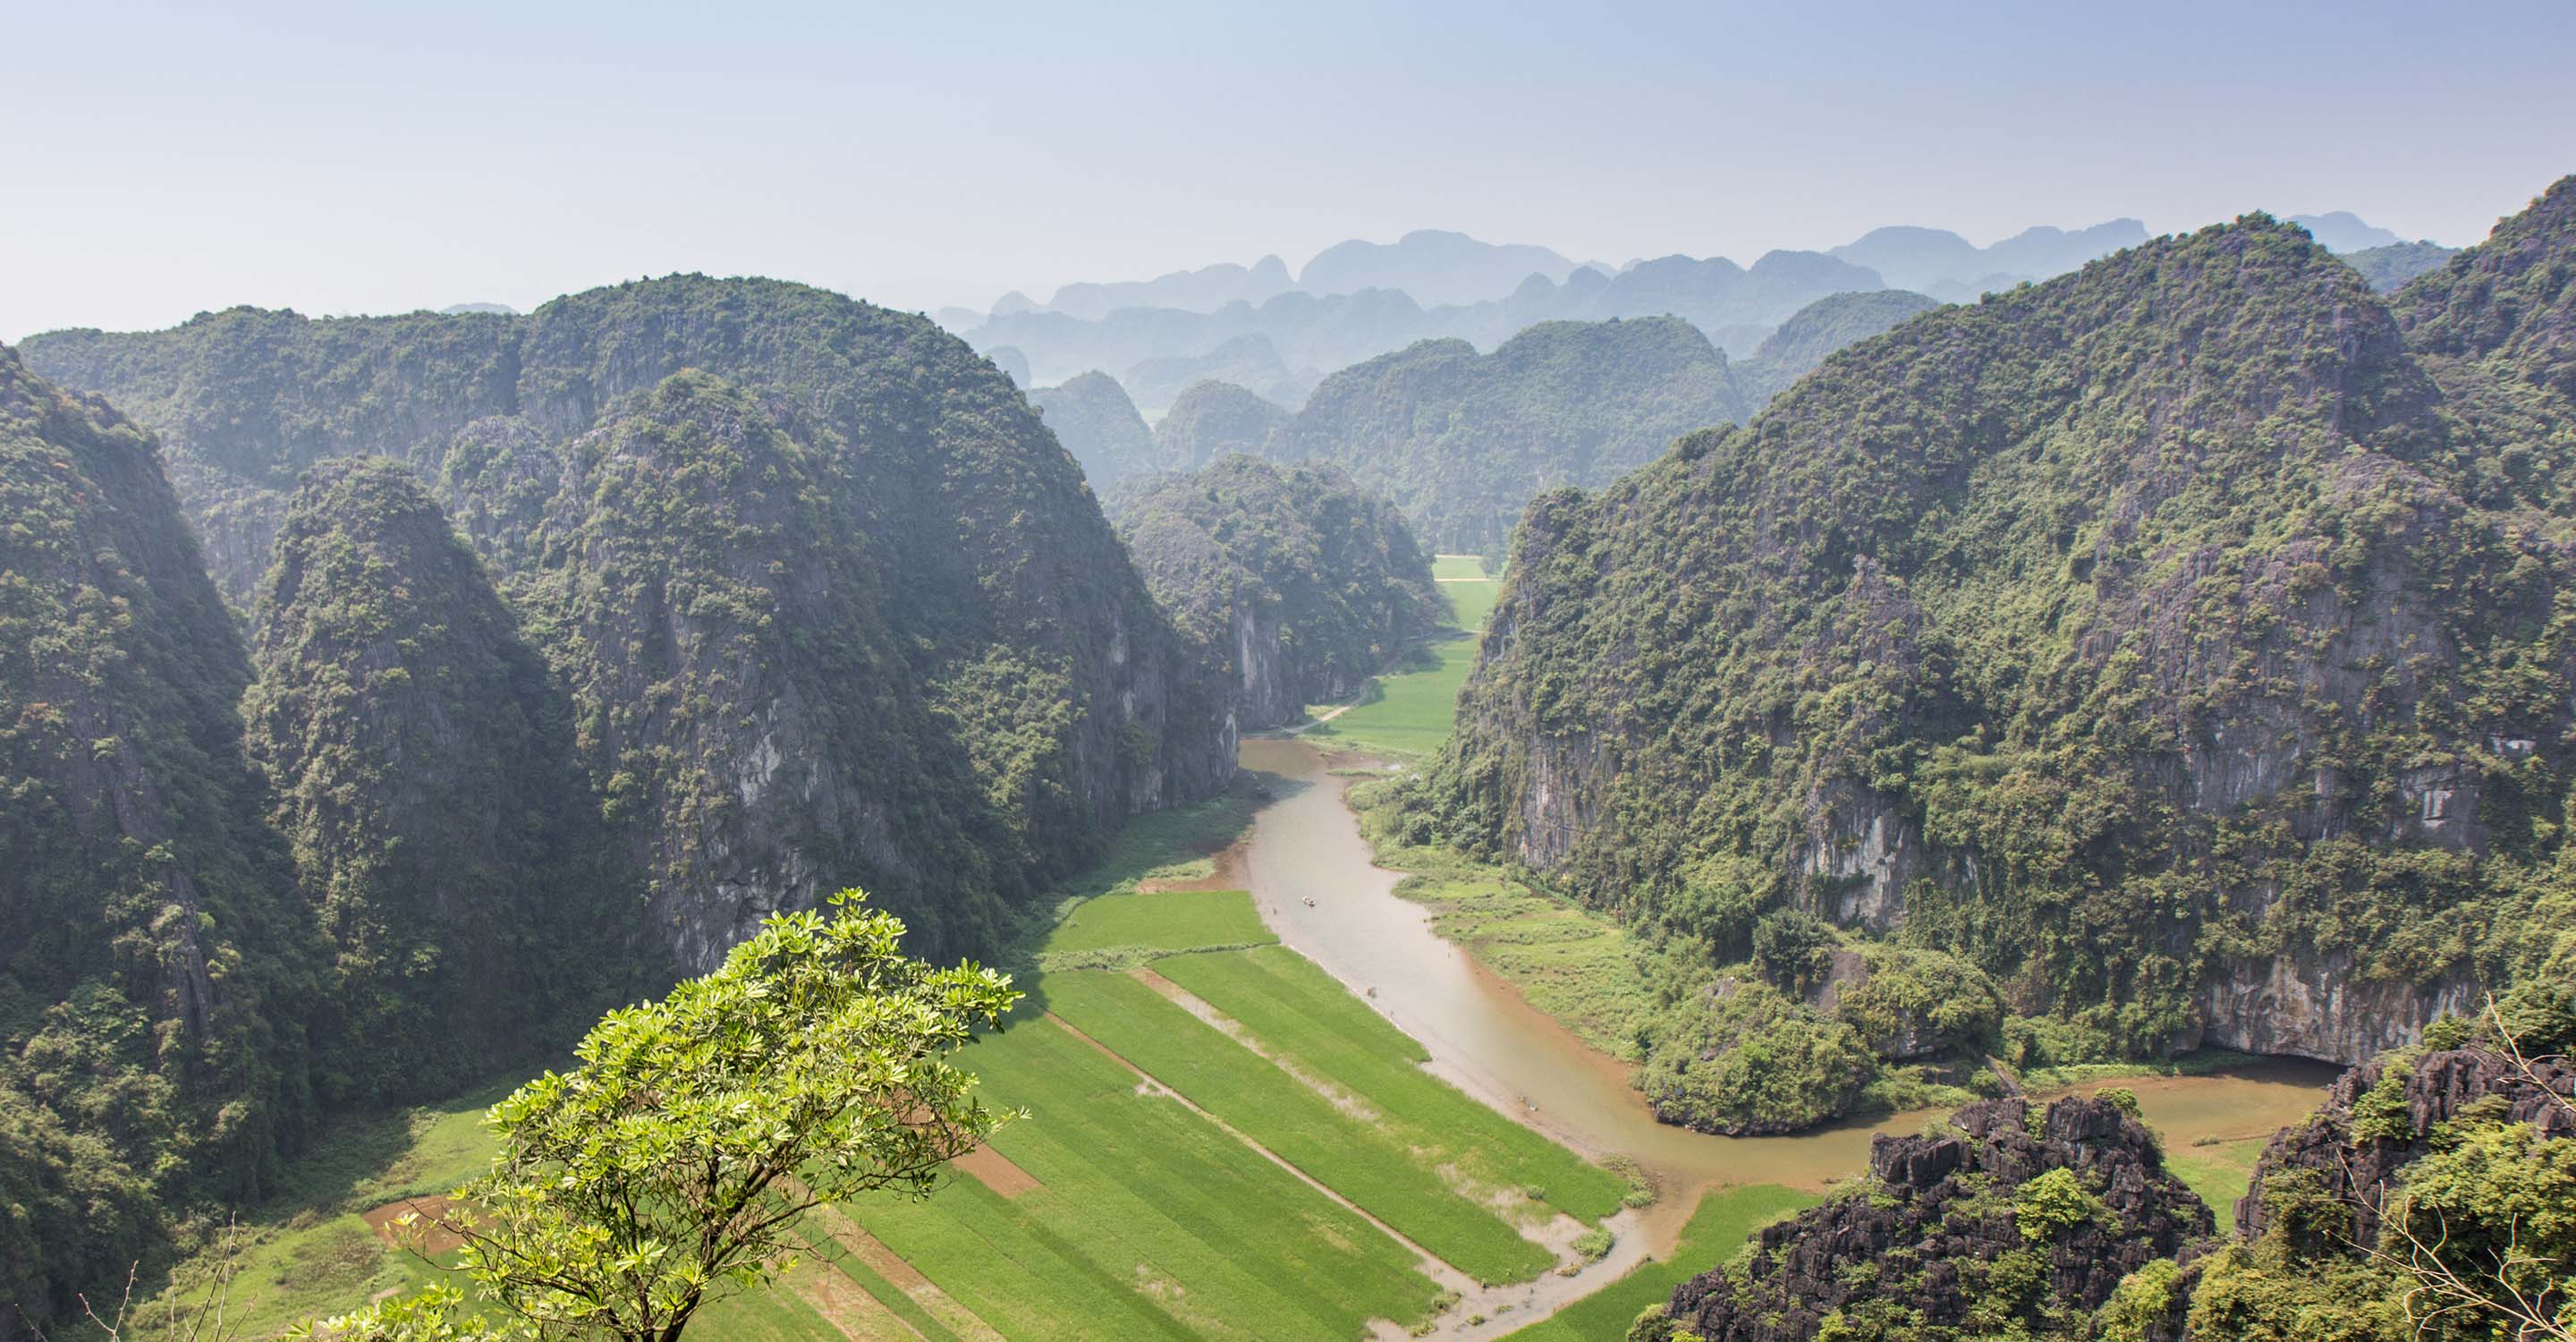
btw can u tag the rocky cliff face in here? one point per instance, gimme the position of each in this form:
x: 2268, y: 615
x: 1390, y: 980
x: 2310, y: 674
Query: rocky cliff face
x: 2005, y: 1221
x: 2383, y: 1115
x: 2164, y: 638
x: 995, y: 623
x: 1292, y: 581
x: 151, y: 989
x: 738, y: 693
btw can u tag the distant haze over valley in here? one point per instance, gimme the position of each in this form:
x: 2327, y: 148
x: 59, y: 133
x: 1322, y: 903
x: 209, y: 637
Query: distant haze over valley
x: 1279, y: 334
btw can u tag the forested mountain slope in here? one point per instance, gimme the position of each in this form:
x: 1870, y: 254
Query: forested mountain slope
x: 2186, y: 643
x: 2390, y: 267
x: 1819, y: 329
x: 422, y: 765
x: 1092, y: 416
x: 1215, y: 420
x: 988, y: 662
x: 1461, y: 441
x: 154, y: 969
x: 1295, y: 581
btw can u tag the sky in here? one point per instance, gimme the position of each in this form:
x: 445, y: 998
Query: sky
x: 161, y: 160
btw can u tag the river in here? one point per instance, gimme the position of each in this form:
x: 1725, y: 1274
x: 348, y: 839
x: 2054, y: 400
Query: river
x: 1483, y: 1037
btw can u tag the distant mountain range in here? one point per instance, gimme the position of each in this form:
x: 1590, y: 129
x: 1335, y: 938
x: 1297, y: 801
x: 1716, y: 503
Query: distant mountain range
x: 1256, y: 326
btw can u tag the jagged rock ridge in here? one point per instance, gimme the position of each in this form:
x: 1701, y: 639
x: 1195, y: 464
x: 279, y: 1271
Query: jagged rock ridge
x: 1951, y: 1236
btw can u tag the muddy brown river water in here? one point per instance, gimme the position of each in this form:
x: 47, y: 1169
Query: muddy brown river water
x: 1482, y: 1036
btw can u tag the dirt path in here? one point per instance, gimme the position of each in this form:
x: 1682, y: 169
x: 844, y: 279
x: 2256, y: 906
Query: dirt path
x: 860, y: 1316
x: 997, y: 1172
x: 1351, y: 1105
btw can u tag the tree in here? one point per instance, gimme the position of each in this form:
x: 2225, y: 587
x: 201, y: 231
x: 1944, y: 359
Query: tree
x: 2483, y: 1232
x: 670, y: 1168
x: 1794, y: 949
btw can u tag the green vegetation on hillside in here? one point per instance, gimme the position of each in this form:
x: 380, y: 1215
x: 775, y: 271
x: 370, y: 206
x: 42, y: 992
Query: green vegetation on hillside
x: 2388, y: 268
x: 155, y: 972
x: 1215, y: 420
x: 1290, y: 580
x: 2028, y: 641
x: 793, y: 591
x: 1461, y: 441
x: 1095, y: 421
x: 1821, y: 328
x: 998, y: 691
x: 426, y: 781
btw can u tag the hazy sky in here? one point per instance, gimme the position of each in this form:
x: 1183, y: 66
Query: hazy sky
x: 163, y: 159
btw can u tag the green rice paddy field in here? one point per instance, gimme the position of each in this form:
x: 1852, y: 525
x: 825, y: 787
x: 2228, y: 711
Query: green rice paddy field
x: 1119, y: 1207
x: 1409, y: 713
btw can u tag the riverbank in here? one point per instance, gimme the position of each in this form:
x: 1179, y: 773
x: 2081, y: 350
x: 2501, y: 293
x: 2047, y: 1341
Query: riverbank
x: 1477, y: 1007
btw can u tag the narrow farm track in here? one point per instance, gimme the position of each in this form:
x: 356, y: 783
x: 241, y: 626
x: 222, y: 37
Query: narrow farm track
x: 1432, y: 1266
x: 1480, y: 1311
x: 854, y: 1240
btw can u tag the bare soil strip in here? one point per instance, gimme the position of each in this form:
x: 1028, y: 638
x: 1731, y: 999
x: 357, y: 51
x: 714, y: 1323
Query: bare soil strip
x: 996, y: 1172
x: 423, y: 1235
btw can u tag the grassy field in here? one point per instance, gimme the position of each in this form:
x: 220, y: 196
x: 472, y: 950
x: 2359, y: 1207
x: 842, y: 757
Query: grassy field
x: 1117, y: 1211
x: 1451, y: 568
x: 1353, y: 1155
x: 1294, y: 1008
x: 1147, y: 1220
x: 1410, y: 712
x: 1723, y: 1220
x: 1172, y: 921
x: 2220, y: 1172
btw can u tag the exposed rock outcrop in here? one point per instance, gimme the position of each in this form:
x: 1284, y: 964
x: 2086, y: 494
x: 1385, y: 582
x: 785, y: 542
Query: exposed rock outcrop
x: 2355, y: 1160
x: 1952, y: 1237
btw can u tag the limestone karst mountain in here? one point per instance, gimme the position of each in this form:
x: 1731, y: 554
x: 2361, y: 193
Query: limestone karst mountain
x: 989, y: 618
x: 154, y: 967
x: 1215, y: 420
x: 1094, y: 419
x: 1291, y: 578
x: 1461, y: 441
x: 2174, y: 641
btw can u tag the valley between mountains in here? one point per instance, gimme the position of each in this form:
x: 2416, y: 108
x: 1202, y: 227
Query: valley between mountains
x: 707, y: 805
